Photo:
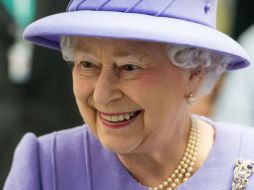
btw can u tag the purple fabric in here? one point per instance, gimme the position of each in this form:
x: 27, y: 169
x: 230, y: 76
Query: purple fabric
x: 187, y: 22
x: 75, y: 159
x: 192, y: 10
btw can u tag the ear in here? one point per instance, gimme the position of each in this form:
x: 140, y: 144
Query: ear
x: 195, y: 79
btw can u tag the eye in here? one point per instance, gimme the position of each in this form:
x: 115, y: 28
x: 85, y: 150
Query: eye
x: 87, y: 68
x: 129, y: 67
x: 87, y: 64
x: 129, y: 71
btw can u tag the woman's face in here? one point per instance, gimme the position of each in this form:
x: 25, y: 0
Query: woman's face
x: 127, y: 92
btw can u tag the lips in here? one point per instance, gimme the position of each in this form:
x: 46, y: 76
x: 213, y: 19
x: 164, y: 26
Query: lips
x: 117, y: 120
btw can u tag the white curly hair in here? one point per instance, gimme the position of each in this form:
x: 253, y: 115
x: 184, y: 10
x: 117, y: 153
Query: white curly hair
x: 182, y: 56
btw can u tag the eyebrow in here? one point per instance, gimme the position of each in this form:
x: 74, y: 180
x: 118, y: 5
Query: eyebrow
x: 86, y: 53
x: 121, y: 55
x: 138, y: 58
x: 126, y: 55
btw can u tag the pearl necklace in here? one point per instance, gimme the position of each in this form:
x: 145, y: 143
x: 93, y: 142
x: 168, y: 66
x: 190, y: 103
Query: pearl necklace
x: 184, y: 169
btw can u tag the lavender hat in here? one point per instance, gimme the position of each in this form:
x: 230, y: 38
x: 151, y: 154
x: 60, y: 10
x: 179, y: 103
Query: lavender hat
x: 186, y: 22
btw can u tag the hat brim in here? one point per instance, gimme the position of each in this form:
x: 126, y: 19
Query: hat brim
x: 48, y: 31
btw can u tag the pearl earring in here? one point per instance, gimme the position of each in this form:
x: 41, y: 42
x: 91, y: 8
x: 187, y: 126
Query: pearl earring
x: 190, y: 99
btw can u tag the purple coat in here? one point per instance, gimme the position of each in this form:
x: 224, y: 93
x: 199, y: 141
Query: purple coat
x: 74, y: 159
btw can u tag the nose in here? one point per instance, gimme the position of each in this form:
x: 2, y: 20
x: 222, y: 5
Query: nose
x: 106, y: 89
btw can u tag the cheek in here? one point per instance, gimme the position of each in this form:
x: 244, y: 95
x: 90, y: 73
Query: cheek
x: 83, y: 90
x: 82, y: 87
x: 157, y: 86
x: 160, y: 93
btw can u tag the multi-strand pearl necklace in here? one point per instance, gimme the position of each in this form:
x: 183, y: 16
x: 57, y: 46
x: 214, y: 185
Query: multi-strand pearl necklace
x: 185, y: 167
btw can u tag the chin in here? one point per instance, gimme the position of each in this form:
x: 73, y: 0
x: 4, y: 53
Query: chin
x: 120, y: 146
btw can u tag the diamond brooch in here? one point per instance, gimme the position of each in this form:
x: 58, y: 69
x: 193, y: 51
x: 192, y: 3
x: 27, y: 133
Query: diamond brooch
x: 242, y: 171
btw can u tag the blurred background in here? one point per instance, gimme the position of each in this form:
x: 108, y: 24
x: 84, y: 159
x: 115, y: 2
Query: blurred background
x: 232, y: 99
x: 36, y: 86
x: 35, y: 83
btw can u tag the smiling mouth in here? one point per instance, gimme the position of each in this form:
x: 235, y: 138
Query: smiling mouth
x: 119, y: 118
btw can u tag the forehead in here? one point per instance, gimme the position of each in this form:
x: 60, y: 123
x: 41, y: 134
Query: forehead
x: 119, y: 46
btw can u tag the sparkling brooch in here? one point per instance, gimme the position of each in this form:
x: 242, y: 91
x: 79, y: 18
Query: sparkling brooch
x: 242, y: 171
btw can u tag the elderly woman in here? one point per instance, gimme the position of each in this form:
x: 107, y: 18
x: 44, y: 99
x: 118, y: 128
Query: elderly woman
x: 137, y: 66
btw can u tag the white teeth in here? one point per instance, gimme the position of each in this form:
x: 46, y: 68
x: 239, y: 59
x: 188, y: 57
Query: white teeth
x: 118, y: 118
x: 109, y: 118
x: 115, y: 118
x: 127, y: 116
x: 121, y: 117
